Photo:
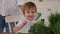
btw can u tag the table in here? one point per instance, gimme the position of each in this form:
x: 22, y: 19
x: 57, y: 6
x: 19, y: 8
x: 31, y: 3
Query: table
x: 6, y: 33
x: 11, y: 33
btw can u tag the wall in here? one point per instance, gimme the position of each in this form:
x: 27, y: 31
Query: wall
x: 45, y: 7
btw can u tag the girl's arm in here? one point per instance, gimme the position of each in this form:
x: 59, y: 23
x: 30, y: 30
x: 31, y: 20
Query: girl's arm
x: 16, y: 28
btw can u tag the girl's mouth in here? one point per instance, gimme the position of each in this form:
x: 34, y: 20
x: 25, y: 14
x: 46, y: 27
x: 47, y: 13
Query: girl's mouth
x: 30, y: 16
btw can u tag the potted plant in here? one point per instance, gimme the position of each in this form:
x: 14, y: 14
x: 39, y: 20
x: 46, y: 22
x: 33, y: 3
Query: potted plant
x: 54, y: 20
x: 38, y: 28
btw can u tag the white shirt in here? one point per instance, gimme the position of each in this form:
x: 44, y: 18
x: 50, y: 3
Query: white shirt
x: 26, y: 27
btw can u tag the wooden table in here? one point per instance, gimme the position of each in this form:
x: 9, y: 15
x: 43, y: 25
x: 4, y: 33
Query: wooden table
x: 6, y: 33
x: 11, y: 33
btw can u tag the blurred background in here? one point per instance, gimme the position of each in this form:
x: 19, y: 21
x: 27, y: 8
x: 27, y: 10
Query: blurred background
x: 10, y: 9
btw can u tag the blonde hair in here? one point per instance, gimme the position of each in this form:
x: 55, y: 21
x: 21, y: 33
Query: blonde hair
x: 29, y: 5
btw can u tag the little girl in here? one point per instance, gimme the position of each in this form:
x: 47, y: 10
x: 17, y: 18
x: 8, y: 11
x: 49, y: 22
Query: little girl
x: 29, y: 12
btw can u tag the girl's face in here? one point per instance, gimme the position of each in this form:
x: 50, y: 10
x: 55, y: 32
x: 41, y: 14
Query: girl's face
x: 30, y: 14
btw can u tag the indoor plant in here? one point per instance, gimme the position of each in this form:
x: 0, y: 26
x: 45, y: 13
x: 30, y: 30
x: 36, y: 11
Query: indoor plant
x: 54, y: 20
x: 38, y: 28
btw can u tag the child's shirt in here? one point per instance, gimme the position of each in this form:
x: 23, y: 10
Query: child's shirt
x: 25, y: 28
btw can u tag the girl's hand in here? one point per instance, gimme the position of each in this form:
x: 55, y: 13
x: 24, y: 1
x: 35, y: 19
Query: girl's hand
x: 38, y: 21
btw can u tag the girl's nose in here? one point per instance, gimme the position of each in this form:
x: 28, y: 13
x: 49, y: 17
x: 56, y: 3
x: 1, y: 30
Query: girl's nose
x: 30, y: 14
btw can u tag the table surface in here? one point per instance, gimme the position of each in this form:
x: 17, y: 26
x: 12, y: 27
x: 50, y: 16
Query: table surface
x: 11, y: 33
x: 6, y: 33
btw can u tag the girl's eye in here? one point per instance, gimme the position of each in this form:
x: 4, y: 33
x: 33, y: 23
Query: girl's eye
x: 33, y: 12
x: 28, y: 12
